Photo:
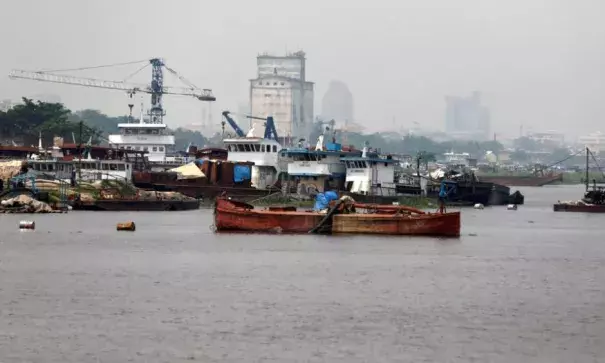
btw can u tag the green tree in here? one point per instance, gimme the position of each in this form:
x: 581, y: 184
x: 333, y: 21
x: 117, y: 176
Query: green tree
x: 527, y: 144
x: 519, y: 156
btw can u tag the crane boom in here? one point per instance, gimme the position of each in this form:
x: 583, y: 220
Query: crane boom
x: 130, y: 88
x: 156, y: 88
x: 238, y: 131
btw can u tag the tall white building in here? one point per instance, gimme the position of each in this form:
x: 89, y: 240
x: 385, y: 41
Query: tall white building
x: 595, y: 141
x: 282, y: 91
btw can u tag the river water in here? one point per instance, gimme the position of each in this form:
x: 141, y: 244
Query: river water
x: 518, y: 286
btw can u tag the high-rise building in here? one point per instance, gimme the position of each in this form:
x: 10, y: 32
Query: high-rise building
x: 466, y: 118
x: 337, y: 103
x: 282, y: 91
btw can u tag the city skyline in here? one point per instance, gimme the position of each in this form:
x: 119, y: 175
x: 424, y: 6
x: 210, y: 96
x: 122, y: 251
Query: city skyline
x: 537, y: 65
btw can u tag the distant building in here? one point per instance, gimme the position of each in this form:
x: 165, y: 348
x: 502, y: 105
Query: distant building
x: 549, y: 138
x: 466, y: 118
x: 595, y: 141
x: 337, y: 103
x: 7, y: 104
x: 282, y: 91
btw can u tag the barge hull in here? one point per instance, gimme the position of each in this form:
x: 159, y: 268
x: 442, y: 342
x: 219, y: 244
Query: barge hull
x: 595, y: 208
x: 445, y: 225
x: 137, y: 205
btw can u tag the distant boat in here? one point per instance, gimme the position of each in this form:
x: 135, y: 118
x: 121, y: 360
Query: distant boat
x: 593, y: 200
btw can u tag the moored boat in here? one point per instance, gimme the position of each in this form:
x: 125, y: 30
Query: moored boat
x: 397, y: 220
x: 231, y: 215
x: 593, y: 200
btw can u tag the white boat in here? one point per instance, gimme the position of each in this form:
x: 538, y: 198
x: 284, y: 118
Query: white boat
x: 152, y: 137
x: 260, y: 151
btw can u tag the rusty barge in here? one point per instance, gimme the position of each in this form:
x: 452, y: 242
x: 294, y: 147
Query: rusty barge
x: 344, y: 217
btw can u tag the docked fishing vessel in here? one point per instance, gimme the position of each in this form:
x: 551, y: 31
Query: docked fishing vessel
x: 315, y: 170
x: 470, y: 190
x: 593, y: 200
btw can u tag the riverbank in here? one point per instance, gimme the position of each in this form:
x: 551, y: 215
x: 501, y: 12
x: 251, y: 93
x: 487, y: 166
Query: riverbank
x: 578, y: 178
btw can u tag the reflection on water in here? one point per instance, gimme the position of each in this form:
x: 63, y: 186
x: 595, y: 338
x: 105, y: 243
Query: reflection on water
x: 525, y: 286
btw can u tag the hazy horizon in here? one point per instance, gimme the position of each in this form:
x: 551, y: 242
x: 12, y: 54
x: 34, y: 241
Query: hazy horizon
x: 536, y: 63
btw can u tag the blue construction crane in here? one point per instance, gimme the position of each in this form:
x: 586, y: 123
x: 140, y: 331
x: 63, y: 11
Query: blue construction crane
x: 270, y: 131
x: 233, y: 124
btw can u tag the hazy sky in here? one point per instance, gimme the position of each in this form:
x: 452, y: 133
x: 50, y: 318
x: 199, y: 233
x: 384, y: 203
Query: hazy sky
x: 540, y: 63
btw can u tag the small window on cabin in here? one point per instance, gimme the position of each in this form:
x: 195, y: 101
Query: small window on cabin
x: 364, y: 165
x: 282, y: 83
x: 275, y: 83
x: 105, y: 166
x: 121, y: 147
x: 154, y: 148
x: 274, y: 148
x: 137, y: 148
x: 247, y: 147
x: 266, y: 83
x: 240, y: 147
x: 128, y: 147
x: 127, y: 167
x: 113, y: 167
x: 260, y: 83
x: 121, y: 167
x: 257, y: 147
x: 145, y: 148
x: 161, y: 148
x: 154, y: 132
x: 262, y: 148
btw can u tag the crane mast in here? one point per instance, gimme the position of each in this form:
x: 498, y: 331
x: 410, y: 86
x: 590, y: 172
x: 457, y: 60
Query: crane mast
x: 156, y: 112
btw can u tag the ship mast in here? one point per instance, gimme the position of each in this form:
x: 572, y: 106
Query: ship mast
x: 587, y: 174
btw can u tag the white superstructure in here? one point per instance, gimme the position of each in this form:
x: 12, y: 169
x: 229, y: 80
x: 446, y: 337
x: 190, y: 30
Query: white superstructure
x: 370, y: 174
x: 155, y: 138
x: 262, y: 152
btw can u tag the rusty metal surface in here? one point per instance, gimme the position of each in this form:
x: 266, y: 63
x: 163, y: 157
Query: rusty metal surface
x: 447, y: 224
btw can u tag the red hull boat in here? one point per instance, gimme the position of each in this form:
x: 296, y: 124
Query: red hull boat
x: 232, y: 215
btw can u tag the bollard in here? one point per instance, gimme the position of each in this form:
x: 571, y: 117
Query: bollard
x: 479, y: 206
x: 511, y: 207
x: 126, y: 226
x: 27, y: 225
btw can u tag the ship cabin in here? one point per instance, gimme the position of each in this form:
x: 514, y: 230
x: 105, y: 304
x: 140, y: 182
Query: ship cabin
x: 87, y: 163
x: 86, y: 169
x: 154, y: 138
x: 17, y: 152
x: 320, y: 169
x: 260, y: 151
x: 370, y: 174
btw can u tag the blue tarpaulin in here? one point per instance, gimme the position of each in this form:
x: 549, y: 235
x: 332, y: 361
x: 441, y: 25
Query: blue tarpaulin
x: 322, y: 200
x: 241, y: 173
